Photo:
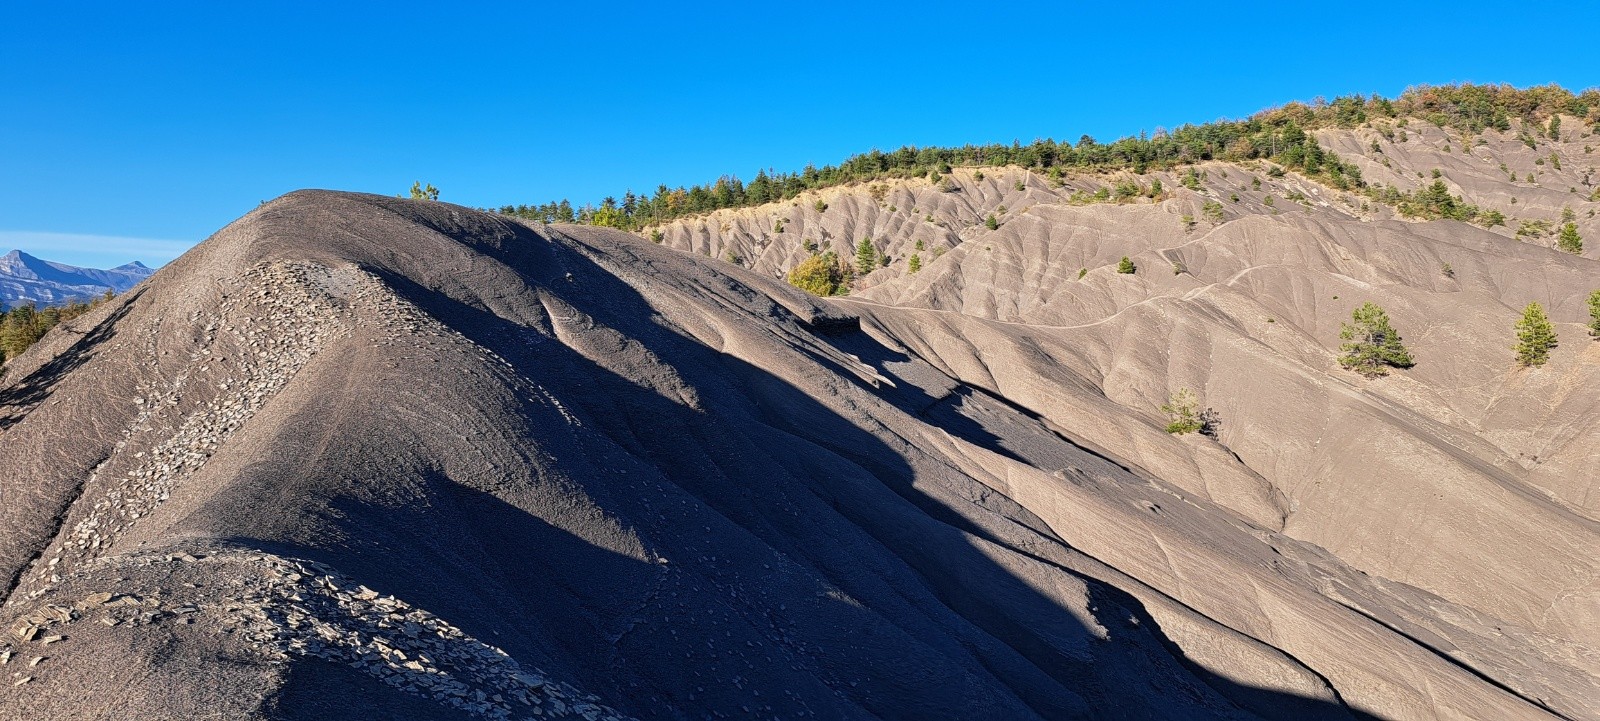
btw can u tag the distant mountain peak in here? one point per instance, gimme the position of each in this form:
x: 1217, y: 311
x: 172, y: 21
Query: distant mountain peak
x: 26, y: 278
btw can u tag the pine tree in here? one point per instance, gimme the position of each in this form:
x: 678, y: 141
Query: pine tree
x: 1183, y: 413
x: 419, y: 192
x: 1570, y: 241
x: 866, y: 256
x: 914, y: 264
x: 1371, y: 345
x: 1535, y: 336
x: 1594, y: 314
x: 1125, y: 267
x: 991, y: 222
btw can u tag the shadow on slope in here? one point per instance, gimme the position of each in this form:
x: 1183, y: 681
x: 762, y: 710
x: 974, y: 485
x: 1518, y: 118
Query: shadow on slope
x: 19, y: 398
x: 777, y: 559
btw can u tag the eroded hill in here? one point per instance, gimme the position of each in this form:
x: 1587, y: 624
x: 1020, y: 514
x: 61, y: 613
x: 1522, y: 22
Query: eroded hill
x: 401, y: 456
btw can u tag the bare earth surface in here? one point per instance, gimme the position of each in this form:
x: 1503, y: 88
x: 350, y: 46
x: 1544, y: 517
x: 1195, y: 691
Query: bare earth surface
x: 359, y: 456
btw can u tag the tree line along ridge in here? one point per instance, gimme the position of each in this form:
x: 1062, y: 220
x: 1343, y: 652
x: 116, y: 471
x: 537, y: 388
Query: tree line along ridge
x: 1281, y: 135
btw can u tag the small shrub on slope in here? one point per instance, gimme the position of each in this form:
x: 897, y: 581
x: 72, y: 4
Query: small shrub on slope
x: 1535, y: 336
x: 1569, y: 240
x: 1371, y: 346
x: 1594, y: 314
x: 866, y: 256
x: 819, y: 275
x: 1183, y: 413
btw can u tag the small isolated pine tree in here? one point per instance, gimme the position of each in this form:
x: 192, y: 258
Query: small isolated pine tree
x: 1126, y: 267
x: 1535, y: 336
x: 1570, y: 241
x: 866, y: 256
x: 991, y: 222
x: 1371, y: 346
x: 1594, y: 314
x: 420, y: 192
x: 1183, y: 413
x: 914, y: 263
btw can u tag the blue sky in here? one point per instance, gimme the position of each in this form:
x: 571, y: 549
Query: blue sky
x: 132, y: 130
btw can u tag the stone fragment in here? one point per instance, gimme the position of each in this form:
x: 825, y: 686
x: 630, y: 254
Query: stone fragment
x: 96, y: 599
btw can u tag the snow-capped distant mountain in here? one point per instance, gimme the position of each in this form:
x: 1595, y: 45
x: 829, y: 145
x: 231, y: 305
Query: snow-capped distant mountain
x: 25, y: 278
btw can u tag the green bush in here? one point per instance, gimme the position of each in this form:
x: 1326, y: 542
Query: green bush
x: 1126, y: 267
x: 866, y: 256
x: 1535, y: 336
x: 914, y: 263
x: 1570, y: 241
x: 1594, y: 314
x: 1183, y: 413
x: 991, y: 222
x: 1371, y: 346
x: 419, y: 192
x: 819, y: 275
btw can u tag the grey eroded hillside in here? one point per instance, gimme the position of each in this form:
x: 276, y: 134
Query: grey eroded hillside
x: 362, y: 455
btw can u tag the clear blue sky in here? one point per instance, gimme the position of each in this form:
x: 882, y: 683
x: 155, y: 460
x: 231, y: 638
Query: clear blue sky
x: 131, y: 130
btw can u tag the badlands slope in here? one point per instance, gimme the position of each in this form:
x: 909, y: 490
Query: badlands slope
x: 1465, y: 478
x: 401, y: 459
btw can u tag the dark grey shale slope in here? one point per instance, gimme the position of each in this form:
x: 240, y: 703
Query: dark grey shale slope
x: 359, y: 455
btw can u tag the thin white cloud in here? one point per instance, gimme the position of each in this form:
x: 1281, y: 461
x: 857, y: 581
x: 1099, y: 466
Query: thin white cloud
x: 93, y: 251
